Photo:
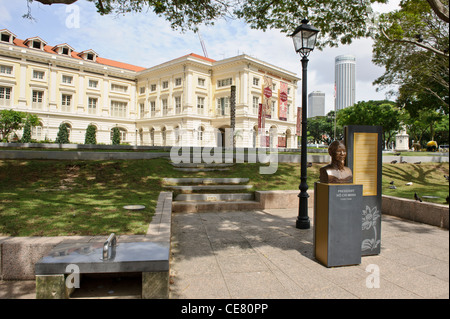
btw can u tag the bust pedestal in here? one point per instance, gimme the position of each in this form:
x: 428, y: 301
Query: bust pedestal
x: 337, y: 224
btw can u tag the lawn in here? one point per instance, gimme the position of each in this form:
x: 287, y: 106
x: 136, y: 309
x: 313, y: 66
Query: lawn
x: 58, y: 198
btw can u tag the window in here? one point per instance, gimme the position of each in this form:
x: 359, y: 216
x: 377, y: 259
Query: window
x: 93, y: 84
x: 5, y: 96
x: 36, y: 44
x: 200, y: 132
x: 201, y: 82
x: 273, y: 109
x: 223, y: 106
x: 255, y: 105
x: 165, y: 107
x: 177, y: 81
x: 224, y: 82
x: 200, y: 105
x: 288, y: 111
x: 142, y: 90
x: 274, y: 87
x: 256, y: 81
x: 65, y: 51
x: 92, y: 105
x: 39, y: 75
x: 37, y: 99
x: 90, y: 56
x: 118, y: 109
x: 65, y: 102
x: 5, y: 69
x: 153, y: 88
x: 67, y: 79
x: 141, y: 110
x: 165, y: 85
x: 119, y: 88
x: 5, y: 37
x: 178, y: 104
x: 36, y: 132
x: 152, y: 108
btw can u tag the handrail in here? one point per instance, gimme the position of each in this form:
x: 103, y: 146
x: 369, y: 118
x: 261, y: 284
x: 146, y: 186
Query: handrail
x: 110, y: 242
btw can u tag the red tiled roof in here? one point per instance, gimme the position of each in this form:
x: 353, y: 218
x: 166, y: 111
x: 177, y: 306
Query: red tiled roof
x: 74, y: 54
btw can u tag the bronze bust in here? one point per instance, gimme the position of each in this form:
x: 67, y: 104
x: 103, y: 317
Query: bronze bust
x: 336, y: 172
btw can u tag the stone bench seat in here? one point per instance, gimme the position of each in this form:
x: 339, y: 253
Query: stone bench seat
x: 126, y: 257
x: 148, y: 255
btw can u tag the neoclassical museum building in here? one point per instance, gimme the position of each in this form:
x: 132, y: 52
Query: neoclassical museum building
x: 182, y: 102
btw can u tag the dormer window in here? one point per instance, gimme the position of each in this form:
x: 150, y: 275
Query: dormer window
x: 7, y: 36
x: 63, y: 49
x: 35, y: 43
x: 88, y: 55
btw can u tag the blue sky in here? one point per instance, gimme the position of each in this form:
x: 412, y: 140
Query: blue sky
x: 145, y: 40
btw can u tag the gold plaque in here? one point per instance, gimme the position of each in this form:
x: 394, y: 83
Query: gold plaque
x: 365, y: 156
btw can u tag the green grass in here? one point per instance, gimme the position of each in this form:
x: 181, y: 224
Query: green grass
x: 57, y: 198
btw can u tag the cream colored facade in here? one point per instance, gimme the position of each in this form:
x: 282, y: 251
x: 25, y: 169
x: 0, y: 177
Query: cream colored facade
x: 183, y: 102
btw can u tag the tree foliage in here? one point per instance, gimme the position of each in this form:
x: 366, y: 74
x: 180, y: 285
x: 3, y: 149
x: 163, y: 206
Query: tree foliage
x: 90, y: 137
x: 374, y: 113
x: 413, y: 48
x: 11, y: 121
x: 321, y: 129
x: 63, y: 134
x: 115, y: 136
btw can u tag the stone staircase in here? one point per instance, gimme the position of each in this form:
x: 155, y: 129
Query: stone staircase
x: 201, y: 167
x: 205, y: 194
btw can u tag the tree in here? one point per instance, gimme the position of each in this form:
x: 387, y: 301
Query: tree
x: 90, y: 137
x: 321, y: 128
x: 11, y: 121
x: 376, y: 113
x: 26, y: 136
x: 116, y: 136
x: 339, y: 21
x: 413, y: 48
x: 63, y: 134
x: 30, y: 122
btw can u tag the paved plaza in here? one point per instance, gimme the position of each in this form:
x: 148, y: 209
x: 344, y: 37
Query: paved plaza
x: 260, y: 254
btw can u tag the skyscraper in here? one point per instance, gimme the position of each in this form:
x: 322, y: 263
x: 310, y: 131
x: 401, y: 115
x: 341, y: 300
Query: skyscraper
x: 345, y: 76
x: 316, y: 104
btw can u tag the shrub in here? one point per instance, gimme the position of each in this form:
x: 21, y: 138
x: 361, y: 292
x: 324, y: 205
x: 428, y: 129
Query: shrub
x: 26, y: 137
x: 63, y: 134
x: 116, y: 136
x: 90, y: 137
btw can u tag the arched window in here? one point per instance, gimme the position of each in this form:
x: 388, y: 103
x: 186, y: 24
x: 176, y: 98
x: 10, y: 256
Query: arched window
x: 36, y: 132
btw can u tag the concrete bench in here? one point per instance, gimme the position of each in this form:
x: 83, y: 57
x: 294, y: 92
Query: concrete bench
x: 148, y: 255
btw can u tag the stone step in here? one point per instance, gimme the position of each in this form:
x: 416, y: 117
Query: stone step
x: 201, y: 165
x: 208, y: 187
x: 215, y: 197
x: 194, y: 170
x: 218, y: 206
x: 205, y: 180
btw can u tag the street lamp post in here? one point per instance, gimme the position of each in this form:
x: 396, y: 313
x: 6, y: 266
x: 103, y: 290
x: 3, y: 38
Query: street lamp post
x: 304, y: 38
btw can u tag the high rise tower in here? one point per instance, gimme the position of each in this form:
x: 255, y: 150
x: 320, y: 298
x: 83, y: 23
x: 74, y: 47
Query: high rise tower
x: 316, y: 104
x: 344, y: 80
